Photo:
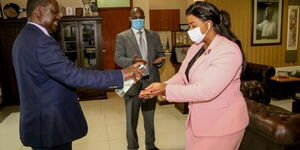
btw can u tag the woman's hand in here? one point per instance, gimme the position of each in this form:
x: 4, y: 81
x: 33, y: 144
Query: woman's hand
x: 153, y: 90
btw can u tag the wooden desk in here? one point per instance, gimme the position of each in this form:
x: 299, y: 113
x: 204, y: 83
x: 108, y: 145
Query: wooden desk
x: 288, y: 79
x: 282, y: 88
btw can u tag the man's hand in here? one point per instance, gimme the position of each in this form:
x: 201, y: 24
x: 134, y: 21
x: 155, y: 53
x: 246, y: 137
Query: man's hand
x: 132, y: 72
x: 159, y: 60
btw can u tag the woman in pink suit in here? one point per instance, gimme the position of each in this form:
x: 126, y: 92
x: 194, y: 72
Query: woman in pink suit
x: 209, y: 79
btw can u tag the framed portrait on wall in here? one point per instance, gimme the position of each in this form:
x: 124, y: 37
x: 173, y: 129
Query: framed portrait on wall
x: 114, y: 3
x: 267, y: 22
x: 292, y: 28
x: 181, y: 38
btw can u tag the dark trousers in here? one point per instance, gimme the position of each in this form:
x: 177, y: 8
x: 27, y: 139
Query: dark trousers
x: 67, y: 146
x: 133, y: 104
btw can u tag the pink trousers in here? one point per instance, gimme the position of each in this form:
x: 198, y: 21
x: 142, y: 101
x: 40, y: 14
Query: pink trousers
x: 227, y: 142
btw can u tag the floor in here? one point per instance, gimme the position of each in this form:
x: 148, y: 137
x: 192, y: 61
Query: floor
x: 106, y: 121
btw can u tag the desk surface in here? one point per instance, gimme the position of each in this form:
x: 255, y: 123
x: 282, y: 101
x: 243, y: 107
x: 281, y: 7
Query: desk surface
x: 287, y: 79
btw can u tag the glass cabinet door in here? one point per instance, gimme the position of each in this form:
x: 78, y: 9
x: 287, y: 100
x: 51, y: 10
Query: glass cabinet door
x: 88, y: 44
x: 70, y: 41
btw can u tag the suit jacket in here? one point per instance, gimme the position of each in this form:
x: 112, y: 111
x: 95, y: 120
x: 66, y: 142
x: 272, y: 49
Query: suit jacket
x: 127, y: 47
x: 50, y: 113
x: 217, y: 106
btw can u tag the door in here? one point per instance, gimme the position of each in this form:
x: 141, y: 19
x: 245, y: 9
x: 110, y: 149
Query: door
x: 115, y: 20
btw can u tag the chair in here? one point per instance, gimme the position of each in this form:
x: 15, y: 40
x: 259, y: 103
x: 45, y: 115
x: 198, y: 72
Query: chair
x: 256, y: 80
x: 270, y: 127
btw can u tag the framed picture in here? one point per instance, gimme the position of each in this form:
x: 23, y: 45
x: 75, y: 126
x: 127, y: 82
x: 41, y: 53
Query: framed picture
x: 181, y: 38
x: 69, y: 11
x: 114, y: 3
x: 79, y: 12
x: 184, y: 27
x: 292, y: 28
x: 166, y: 40
x: 180, y: 53
x: 267, y: 22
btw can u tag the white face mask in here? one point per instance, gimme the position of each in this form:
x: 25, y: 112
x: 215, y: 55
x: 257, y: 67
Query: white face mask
x: 196, y: 35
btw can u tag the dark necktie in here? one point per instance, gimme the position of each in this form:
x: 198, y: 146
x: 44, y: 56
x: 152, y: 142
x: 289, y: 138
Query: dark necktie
x: 193, y: 60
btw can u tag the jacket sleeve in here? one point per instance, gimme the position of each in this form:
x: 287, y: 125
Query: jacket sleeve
x: 178, y: 78
x: 56, y: 65
x: 221, y: 72
x: 120, y: 54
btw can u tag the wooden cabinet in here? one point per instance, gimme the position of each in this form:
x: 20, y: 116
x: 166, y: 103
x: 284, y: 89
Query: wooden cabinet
x: 165, y: 19
x: 82, y: 43
x: 80, y: 39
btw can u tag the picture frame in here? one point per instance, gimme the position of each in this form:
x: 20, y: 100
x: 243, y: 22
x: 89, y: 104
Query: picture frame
x: 184, y: 27
x: 69, y: 11
x: 267, y: 22
x: 79, y: 11
x: 180, y: 53
x: 166, y: 40
x: 292, y: 28
x: 114, y: 3
x: 181, y: 38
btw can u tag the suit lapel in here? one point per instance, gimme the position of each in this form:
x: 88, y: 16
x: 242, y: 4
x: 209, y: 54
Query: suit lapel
x: 132, y: 38
x: 204, y: 56
x: 198, y: 62
x: 149, y: 45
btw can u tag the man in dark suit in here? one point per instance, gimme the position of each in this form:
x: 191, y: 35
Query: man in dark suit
x: 140, y: 45
x: 50, y: 114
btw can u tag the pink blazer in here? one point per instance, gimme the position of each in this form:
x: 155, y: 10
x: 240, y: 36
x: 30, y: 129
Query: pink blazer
x: 216, y: 105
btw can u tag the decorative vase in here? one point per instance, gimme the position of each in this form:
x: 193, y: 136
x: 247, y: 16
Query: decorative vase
x: 87, y: 7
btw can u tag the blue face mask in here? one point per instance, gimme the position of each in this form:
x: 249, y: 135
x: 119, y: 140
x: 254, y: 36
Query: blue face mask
x: 137, y: 23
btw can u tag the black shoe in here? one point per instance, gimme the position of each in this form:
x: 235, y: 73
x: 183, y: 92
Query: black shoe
x: 155, y: 148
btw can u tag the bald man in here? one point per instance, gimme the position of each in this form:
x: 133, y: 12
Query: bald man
x: 138, y: 44
x: 50, y: 114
